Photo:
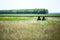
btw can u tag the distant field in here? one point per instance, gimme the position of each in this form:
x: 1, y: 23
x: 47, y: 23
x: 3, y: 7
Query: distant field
x: 15, y: 18
x: 29, y: 29
x: 27, y: 18
x: 33, y: 15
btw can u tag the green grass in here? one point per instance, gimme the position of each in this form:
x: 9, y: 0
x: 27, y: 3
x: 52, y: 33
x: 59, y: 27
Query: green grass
x: 15, y: 18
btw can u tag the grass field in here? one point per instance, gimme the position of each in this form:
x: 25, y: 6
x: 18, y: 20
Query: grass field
x: 15, y: 18
x: 27, y: 15
x: 28, y: 28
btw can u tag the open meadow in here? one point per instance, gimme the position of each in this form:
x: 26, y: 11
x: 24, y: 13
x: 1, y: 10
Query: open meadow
x: 28, y: 28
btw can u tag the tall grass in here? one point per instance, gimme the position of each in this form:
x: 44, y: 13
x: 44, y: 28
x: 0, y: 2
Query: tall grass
x: 40, y: 30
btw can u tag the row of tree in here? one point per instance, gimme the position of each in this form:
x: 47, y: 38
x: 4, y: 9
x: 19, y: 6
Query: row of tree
x: 23, y: 11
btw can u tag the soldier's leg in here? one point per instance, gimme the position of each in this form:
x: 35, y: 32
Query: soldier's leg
x: 39, y: 18
x: 43, y: 18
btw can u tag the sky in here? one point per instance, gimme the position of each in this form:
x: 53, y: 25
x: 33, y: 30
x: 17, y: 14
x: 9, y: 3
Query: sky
x: 51, y: 5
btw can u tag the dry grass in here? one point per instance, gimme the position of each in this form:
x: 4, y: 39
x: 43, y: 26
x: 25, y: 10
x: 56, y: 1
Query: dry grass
x: 30, y: 30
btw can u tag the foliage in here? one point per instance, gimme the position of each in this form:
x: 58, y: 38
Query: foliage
x: 31, y: 11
